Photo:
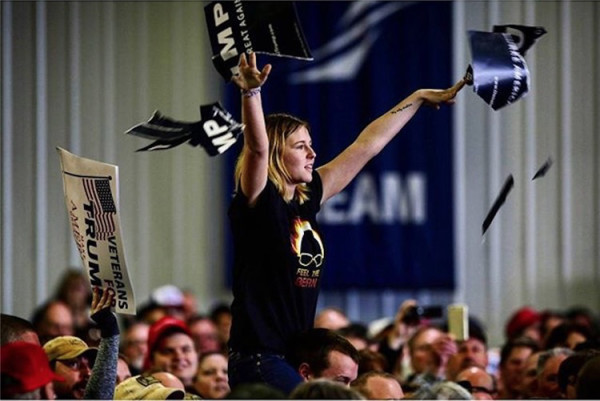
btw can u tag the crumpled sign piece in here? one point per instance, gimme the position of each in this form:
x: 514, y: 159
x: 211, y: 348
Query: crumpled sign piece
x: 499, y: 70
x: 216, y: 132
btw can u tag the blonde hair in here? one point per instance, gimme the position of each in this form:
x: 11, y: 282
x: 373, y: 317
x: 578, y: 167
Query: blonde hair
x: 279, y: 127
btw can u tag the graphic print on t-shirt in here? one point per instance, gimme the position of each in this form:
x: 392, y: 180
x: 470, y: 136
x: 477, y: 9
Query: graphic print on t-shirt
x: 307, y: 245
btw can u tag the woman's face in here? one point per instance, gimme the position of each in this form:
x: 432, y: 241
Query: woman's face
x: 212, y: 381
x: 299, y: 156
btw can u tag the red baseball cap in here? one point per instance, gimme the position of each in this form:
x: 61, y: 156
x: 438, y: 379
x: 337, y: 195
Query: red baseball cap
x: 28, y: 364
x: 161, y: 329
x: 520, y: 320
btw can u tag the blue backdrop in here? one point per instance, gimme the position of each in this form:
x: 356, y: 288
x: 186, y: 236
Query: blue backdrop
x: 393, y: 226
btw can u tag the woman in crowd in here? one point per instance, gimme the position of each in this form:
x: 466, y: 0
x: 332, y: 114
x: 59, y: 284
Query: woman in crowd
x: 211, y: 381
x: 278, y: 251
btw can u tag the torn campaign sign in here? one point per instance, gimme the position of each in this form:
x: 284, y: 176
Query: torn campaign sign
x: 500, y: 72
x: 216, y: 132
x: 268, y: 27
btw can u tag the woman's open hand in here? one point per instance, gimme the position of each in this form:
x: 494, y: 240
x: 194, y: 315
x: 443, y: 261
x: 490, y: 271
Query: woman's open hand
x: 249, y: 76
x: 435, y: 97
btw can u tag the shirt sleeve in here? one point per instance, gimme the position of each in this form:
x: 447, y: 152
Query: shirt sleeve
x: 101, y: 385
x: 316, y: 191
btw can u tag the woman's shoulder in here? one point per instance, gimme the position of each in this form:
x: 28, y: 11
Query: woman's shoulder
x: 268, y: 194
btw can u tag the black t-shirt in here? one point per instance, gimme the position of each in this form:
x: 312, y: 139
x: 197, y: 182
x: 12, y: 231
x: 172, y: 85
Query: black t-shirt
x: 278, y: 261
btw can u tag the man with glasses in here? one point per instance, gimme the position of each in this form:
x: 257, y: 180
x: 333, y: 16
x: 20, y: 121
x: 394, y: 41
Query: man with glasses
x: 73, y: 360
x: 478, y: 382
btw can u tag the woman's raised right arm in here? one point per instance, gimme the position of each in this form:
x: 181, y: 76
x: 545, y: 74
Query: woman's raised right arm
x: 255, y: 161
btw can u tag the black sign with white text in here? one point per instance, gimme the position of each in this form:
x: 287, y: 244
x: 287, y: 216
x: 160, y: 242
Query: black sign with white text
x: 215, y: 132
x: 500, y: 73
x: 235, y: 27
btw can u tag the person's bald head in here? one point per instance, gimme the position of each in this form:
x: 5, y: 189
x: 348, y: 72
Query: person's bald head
x: 332, y: 319
x: 482, y: 385
x: 15, y: 328
x: 52, y: 320
x: 378, y: 386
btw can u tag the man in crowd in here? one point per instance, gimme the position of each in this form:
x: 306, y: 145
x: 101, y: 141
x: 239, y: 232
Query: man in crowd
x: 378, y: 386
x: 205, y: 334
x: 547, y: 372
x: 480, y: 383
x: 430, y: 350
x: 53, y: 319
x: 322, y: 353
x: 513, y: 357
x: 14, y: 328
x: 471, y: 352
x: 528, y: 387
x: 171, y: 349
x: 72, y: 359
x: 134, y: 345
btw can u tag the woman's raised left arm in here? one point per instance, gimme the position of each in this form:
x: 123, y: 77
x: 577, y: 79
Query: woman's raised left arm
x: 338, y: 173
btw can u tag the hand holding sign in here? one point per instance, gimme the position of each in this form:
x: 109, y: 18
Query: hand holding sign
x: 239, y: 27
x: 249, y: 76
x: 100, y: 311
x: 434, y: 97
x: 216, y: 132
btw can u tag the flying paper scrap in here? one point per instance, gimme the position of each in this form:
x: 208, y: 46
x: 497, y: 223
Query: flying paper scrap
x: 91, y: 196
x: 543, y: 169
x: 216, y: 132
x: 500, y: 72
x: 500, y: 199
x: 269, y: 27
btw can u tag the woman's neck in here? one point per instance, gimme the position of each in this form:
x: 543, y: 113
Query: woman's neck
x: 290, y: 191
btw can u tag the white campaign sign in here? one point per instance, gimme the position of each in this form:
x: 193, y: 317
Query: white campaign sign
x: 91, y: 196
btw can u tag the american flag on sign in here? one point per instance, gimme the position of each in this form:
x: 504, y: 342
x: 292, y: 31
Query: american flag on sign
x: 98, y: 193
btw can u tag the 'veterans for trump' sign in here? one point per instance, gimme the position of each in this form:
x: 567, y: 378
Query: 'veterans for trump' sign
x: 91, y: 197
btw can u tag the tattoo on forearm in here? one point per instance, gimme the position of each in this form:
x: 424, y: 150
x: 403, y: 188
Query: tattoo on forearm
x: 406, y: 106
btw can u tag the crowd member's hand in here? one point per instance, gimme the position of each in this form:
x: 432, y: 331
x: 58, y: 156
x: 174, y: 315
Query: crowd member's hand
x: 435, y: 97
x: 444, y: 348
x: 106, y: 320
x: 250, y: 76
x: 402, y: 331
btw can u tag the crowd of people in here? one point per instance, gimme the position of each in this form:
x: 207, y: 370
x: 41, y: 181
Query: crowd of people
x: 170, y: 351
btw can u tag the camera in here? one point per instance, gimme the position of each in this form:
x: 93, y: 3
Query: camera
x: 414, y: 314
